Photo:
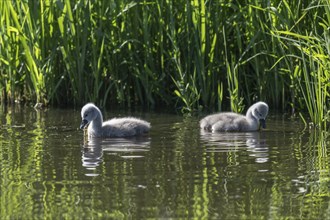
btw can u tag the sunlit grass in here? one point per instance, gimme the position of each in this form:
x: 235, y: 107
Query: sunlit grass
x: 309, y: 67
x: 185, y: 55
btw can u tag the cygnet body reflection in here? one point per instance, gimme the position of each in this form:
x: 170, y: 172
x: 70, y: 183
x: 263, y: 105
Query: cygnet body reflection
x: 252, y: 142
x: 94, y: 150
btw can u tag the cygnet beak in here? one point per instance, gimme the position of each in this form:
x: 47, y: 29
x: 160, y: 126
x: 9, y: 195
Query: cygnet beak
x: 262, y: 122
x: 83, y: 124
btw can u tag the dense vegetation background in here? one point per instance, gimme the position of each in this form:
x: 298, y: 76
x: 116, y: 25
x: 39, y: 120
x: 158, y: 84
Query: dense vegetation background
x: 189, y: 55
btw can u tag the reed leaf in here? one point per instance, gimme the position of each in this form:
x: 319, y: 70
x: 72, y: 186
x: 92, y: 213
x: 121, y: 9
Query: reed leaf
x: 166, y: 53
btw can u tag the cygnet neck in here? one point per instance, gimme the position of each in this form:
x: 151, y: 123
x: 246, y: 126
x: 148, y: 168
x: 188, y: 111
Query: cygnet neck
x: 250, y: 116
x: 96, y: 124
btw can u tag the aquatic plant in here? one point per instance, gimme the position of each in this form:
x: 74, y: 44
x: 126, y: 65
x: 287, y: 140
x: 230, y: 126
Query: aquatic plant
x: 188, y: 55
x: 308, y: 66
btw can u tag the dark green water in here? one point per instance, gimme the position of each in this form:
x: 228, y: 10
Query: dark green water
x: 48, y: 171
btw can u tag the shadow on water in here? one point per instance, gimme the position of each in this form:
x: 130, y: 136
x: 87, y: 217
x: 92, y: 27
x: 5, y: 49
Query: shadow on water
x: 93, y: 150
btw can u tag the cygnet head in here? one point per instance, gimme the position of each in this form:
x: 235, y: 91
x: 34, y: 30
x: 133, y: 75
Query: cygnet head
x: 88, y: 113
x: 260, y: 112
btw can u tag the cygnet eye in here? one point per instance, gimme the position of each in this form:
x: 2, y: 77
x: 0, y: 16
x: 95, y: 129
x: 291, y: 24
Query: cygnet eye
x: 85, y: 115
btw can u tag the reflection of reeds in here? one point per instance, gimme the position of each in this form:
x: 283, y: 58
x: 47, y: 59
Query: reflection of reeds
x: 315, y: 181
x: 188, y: 54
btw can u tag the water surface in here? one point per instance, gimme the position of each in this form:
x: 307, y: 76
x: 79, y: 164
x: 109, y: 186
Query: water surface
x: 50, y: 171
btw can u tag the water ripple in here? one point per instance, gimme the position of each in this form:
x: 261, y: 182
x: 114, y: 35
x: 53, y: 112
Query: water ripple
x: 126, y: 148
x: 252, y: 142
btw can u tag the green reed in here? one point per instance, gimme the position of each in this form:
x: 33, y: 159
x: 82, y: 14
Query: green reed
x: 316, y: 84
x: 178, y: 54
x: 308, y: 65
